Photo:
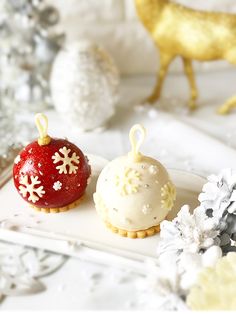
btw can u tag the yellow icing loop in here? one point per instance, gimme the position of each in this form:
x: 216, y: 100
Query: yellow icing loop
x: 136, y: 143
x: 43, y: 139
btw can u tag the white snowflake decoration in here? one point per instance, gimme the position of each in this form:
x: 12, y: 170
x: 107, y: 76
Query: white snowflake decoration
x: 68, y: 162
x: 57, y: 186
x: 29, y: 188
x: 168, y: 194
x: 128, y: 181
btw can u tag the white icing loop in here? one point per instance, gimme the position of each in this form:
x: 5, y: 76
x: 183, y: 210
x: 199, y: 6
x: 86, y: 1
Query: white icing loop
x: 43, y: 129
x: 41, y: 122
x: 136, y: 143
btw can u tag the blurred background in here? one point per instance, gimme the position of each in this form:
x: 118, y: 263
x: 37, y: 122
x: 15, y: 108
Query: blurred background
x: 115, y: 24
x: 44, y: 65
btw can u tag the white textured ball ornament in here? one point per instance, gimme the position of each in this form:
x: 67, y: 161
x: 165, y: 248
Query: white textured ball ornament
x: 84, y: 85
x: 134, y: 192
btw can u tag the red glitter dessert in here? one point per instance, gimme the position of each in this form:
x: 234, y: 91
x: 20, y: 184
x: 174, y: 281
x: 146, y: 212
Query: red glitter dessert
x: 51, y: 174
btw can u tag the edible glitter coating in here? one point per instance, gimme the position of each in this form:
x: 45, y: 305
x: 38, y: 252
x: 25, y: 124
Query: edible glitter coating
x: 36, y: 162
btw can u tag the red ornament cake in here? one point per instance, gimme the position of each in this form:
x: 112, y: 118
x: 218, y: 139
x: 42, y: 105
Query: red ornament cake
x: 51, y: 174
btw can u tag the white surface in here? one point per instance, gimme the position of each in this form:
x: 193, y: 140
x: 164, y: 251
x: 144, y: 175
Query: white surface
x: 61, y: 232
x: 195, y: 149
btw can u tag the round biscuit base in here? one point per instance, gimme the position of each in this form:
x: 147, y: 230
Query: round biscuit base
x: 58, y: 209
x: 134, y: 234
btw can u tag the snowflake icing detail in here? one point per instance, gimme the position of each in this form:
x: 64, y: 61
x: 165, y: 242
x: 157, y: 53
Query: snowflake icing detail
x: 29, y: 188
x: 168, y: 194
x: 128, y: 181
x: 57, y: 185
x: 68, y: 162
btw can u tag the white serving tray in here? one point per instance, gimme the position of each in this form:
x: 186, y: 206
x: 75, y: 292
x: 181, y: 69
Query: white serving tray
x: 80, y: 232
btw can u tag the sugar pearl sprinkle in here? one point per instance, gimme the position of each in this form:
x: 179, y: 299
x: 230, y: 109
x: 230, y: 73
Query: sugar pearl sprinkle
x: 57, y: 185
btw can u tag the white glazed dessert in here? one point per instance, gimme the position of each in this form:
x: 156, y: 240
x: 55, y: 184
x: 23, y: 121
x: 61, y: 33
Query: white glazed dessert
x: 134, y: 192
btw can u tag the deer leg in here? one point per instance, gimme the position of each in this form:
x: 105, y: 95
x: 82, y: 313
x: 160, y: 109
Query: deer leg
x: 190, y: 75
x: 227, y: 106
x: 231, y: 102
x: 165, y: 61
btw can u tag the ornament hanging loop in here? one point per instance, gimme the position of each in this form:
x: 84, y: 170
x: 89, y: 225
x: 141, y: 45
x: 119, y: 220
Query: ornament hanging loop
x: 136, y: 143
x: 41, y: 122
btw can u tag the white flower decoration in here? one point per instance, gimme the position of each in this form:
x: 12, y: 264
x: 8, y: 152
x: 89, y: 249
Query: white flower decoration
x: 188, y: 232
x: 57, y: 185
x: 68, y: 163
x: 219, y: 193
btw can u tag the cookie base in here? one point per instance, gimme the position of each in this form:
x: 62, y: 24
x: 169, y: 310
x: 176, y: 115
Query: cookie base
x: 134, y: 234
x: 56, y: 210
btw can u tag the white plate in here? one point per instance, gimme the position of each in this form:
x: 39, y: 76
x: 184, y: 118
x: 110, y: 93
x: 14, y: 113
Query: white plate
x: 82, y: 224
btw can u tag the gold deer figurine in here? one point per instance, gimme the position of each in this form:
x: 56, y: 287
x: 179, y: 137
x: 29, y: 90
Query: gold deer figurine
x: 190, y: 34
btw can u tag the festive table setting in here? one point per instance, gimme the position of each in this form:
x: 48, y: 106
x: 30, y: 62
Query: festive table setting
x: 115, y: 195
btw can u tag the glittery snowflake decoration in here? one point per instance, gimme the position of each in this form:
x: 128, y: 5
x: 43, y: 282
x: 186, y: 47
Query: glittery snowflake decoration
x: 188, y: 232
x: 168, y: 194
x: 28, y: 188
x: 128, y: 182
x: 67, y: 163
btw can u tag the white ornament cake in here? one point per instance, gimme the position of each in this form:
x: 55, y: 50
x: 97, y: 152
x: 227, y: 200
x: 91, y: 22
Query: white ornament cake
x: 134, y: 192
x: 84, y: 85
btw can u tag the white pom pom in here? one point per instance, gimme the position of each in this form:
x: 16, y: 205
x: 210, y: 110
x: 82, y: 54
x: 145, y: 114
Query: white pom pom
x: 84, y: 85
